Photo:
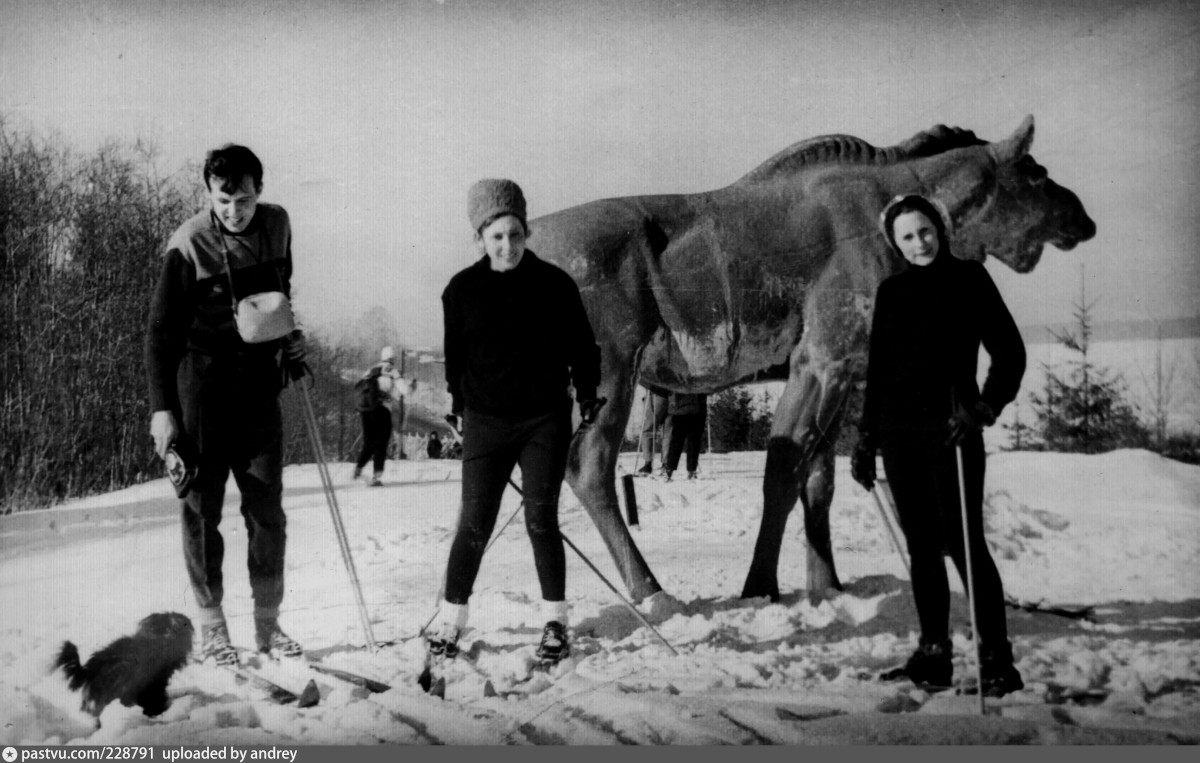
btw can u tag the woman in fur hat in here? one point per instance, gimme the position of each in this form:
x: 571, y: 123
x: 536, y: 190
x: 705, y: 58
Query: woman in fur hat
x: 921, y: 401
x: 516, y: 335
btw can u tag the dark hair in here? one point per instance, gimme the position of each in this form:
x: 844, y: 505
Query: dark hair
x: 232, y: 163
x: 915, y: 203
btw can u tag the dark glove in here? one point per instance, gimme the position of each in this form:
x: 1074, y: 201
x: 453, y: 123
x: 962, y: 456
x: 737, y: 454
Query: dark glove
x: 862, y: 464
x: 294, y: 356
x: 590, y: 408
x: 966, y: 420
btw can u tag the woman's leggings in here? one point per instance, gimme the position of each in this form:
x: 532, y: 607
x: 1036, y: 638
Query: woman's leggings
x: 687, y: 430
x: 923, y: 474
x: 491, y: 448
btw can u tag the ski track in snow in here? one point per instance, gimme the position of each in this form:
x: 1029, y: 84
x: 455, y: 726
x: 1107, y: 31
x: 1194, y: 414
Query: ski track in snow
x: 1120, y: 532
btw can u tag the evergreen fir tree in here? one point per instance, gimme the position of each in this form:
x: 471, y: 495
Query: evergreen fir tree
x: 1085, y: 410
x: 731, y: 416
x: 1023, y: 436
x: 760, y: 424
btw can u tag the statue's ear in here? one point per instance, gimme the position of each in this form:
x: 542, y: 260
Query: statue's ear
x: 1016, y: 145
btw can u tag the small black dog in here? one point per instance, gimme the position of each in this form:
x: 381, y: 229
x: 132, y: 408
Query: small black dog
x: 134, y: 669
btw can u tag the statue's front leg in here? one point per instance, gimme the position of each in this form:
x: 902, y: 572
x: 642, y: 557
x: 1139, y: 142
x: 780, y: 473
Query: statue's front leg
x: 591, y: 473
x: 800, y: 465
x: 779, y: 496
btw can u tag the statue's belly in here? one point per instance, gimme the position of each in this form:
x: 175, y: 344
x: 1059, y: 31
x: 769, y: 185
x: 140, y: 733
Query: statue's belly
x: 721, y: 355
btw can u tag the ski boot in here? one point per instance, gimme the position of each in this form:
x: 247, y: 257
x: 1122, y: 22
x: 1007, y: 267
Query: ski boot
x: 665, y: 474
x: 270, y: 639
x: 645, y: 471
x: 691, y: 475
x: 931, y: 665
x: 376, y: 480
x: 442, y: 643
x: 215, y: 643
x: 997, y: 673
x: 554, y: 647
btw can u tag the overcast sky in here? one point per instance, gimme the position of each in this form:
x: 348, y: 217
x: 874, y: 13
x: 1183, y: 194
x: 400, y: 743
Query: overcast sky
x: 373, y: 118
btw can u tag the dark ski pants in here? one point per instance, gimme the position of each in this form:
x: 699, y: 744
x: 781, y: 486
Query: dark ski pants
x: 377, y: 436
x: 923, y: 475
x: 491, y: 448
x: 654, y: 420
x: 231, y: 411
x: 685, y: 429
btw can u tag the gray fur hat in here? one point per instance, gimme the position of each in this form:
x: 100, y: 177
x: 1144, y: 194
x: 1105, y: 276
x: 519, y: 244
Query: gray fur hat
x: 490, y: 197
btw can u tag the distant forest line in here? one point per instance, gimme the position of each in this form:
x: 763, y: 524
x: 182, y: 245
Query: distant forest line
x: 1113, y: 331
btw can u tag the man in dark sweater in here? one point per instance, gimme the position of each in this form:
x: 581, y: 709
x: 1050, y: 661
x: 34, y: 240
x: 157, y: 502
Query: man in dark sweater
x: 215, y: 397
x: 516, y: 338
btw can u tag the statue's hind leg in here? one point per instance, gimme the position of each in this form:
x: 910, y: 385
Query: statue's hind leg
x: 592, y: 472
x: 816, y: 495
x: 800, y: 466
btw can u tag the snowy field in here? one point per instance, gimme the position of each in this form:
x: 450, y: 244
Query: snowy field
x: 1119, y: 531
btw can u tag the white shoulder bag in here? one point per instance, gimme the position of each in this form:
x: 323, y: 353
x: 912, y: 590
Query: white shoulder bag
x: 259, y: 317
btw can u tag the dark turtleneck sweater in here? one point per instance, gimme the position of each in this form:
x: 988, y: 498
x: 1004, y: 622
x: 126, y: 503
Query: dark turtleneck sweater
x: 927, y: 327
x: 514, y: 340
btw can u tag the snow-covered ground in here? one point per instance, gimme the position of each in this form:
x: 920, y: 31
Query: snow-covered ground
x: 1119, y: 531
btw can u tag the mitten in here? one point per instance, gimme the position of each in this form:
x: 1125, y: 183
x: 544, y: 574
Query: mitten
x: 294, y: 355
x: 964, y: 420
x: 590, y: 408
x: 862, y: 464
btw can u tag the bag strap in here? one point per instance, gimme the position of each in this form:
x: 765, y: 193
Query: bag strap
x: 228, y: 274
x: 264, y: 243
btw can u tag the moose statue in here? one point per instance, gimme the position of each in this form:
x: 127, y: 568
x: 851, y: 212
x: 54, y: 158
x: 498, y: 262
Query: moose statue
x: 773, y: 277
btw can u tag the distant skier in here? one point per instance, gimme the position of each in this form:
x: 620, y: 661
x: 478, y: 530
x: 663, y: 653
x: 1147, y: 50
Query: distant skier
x: 433, y: 449
x: 655, y: 429
x: 377, y: 387
x: 686, y: 415
x: 516, y: 335
x: 921, y: 401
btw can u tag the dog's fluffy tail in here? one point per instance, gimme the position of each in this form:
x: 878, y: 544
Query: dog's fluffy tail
x: 68, y: 660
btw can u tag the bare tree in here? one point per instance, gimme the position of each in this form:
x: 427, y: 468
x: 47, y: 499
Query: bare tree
x: 1160, y: 390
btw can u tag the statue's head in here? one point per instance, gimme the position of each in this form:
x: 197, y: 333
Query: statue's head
x: 1003, y: 203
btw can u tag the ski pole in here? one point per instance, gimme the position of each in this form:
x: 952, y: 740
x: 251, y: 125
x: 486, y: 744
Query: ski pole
x: 962, y: 499
x: 654, y: 441
x: 887, y: 522
x: 613, y: 588
x: 310, y: 420
x: 606, y: 582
